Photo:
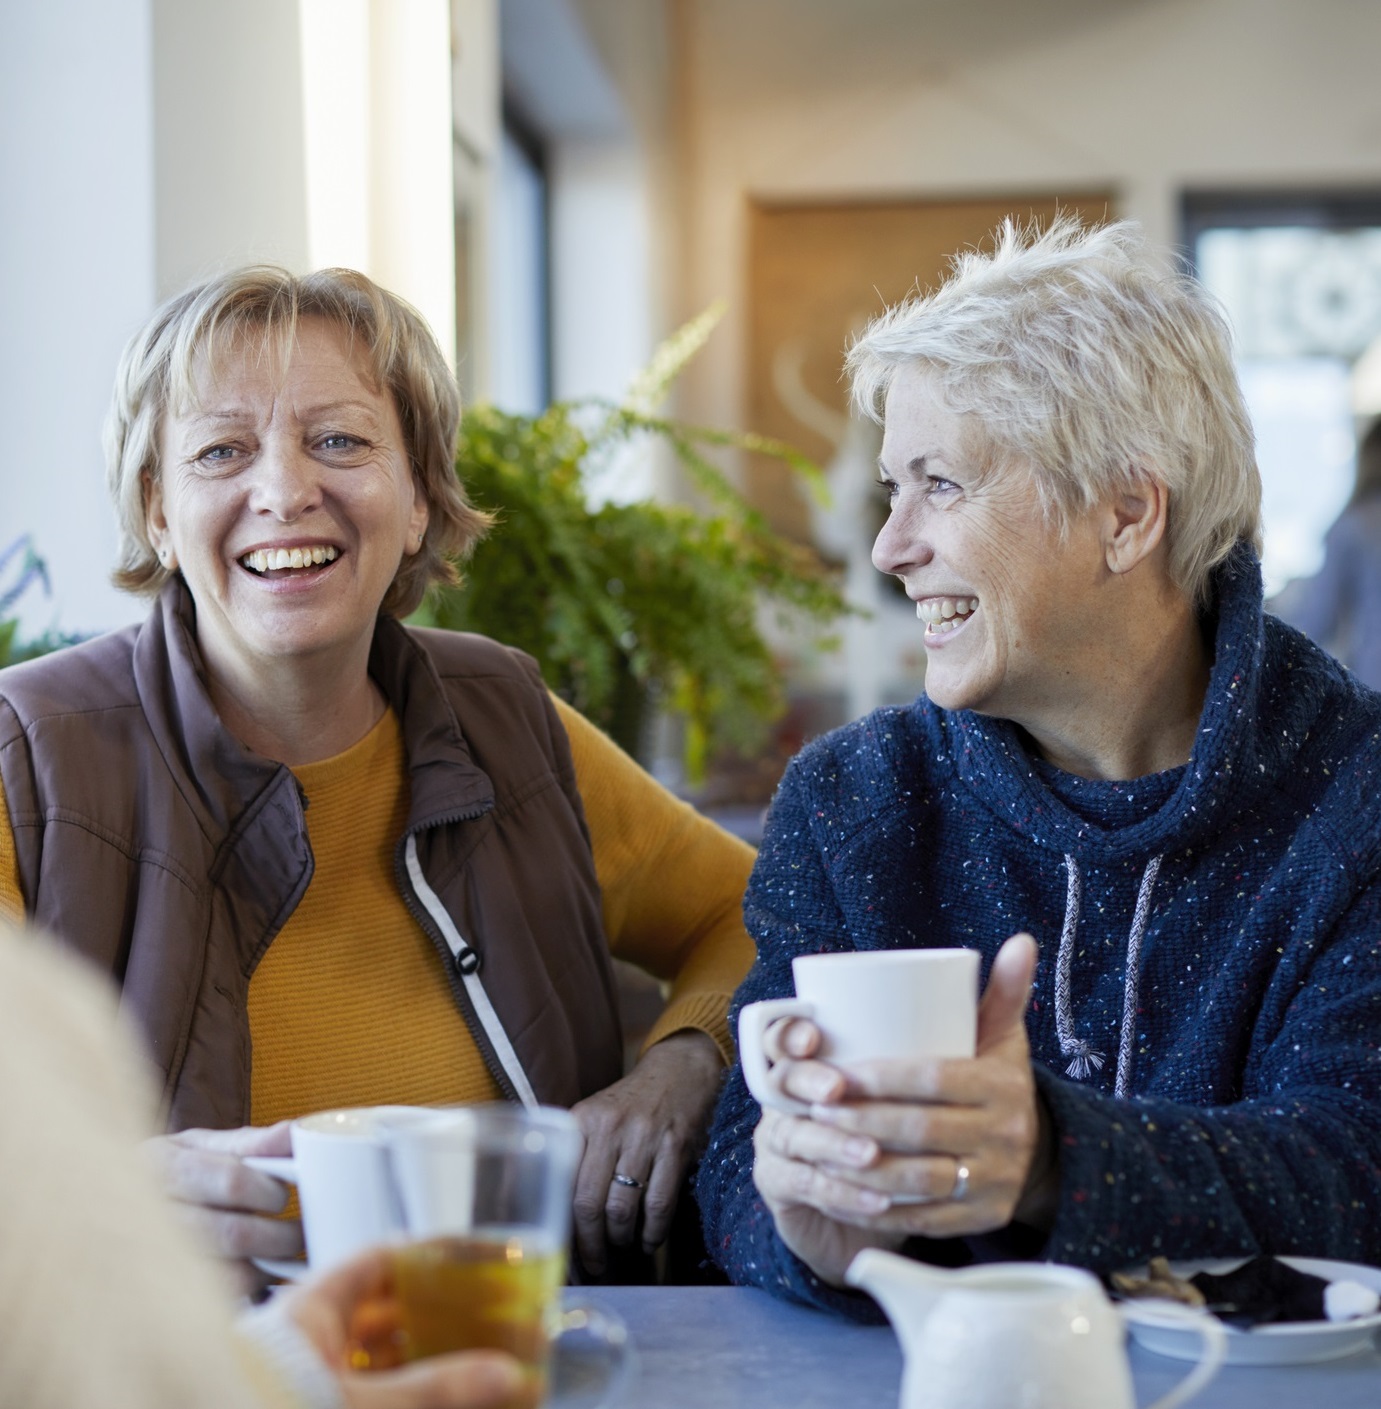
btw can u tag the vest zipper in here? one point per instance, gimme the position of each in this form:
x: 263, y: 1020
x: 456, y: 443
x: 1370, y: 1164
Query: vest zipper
x: 457, y: 965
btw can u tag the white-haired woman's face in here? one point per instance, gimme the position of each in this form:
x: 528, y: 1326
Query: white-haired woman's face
x: 287, y: 500
x: 1010, y: 609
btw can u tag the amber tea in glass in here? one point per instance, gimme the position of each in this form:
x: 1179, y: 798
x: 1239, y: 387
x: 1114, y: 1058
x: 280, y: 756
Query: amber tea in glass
x: 484, y: 1196
x: 485, y: 1292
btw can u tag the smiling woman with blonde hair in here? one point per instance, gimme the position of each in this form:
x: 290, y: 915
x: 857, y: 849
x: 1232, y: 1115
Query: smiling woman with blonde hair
x: 333, y: 860
x: 1117, y: 753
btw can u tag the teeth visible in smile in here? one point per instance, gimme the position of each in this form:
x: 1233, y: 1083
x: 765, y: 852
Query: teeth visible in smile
x: 270, y: 559
x: 942, y: 614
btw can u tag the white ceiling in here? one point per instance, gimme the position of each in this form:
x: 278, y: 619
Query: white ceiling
x: 555, y: 77
x: 552, y: 75
x: 796, y: 44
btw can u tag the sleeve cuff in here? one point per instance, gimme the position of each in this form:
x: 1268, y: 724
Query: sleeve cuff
x: 290, y: 1356
x: 704, y: 1012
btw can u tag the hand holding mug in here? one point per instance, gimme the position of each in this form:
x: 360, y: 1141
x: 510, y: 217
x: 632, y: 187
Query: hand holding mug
x: 231, y: 1205
x: 890, y: 1147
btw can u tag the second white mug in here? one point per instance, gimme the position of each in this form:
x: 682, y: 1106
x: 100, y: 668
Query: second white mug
x: 340, y: 1166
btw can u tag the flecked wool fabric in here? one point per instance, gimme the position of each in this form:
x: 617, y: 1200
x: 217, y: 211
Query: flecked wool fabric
x: 1253, y: 1122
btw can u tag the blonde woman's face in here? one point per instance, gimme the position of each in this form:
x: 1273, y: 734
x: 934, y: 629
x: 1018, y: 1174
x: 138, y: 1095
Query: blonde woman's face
x: 287, y: 502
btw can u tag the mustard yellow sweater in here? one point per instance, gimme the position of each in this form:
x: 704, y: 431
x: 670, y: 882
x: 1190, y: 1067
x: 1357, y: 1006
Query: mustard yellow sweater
x: 339, y: 1018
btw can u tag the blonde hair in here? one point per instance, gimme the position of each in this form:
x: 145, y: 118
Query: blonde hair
x: 158, y: 372
x: 1077, y: 353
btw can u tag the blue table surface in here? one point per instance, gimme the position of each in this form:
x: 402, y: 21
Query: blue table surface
x: 734, y: 1347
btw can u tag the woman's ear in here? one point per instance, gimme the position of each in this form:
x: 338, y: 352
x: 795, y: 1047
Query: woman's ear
x: 1135, y: 521
x: 156, y: 522
x: 419, y: 518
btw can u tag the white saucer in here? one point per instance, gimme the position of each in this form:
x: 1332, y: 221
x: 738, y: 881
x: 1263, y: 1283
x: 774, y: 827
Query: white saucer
x: 293, y: 1270
x: 1285, y: 1343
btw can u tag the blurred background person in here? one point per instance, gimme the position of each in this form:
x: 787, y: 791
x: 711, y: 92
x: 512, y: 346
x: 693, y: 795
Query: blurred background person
x: 1340, y: 606
x: 106, y: 1302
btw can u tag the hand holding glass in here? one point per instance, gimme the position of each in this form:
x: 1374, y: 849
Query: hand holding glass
x: 483, y: 1195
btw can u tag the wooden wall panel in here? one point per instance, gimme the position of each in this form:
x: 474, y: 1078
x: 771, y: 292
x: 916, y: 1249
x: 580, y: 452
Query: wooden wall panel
x: 817, y: 272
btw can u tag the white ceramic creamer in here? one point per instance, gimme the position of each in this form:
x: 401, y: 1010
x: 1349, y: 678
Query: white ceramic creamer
x: 1019, y: 1335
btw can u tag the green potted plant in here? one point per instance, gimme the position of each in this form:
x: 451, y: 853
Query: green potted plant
x: 624, y: 604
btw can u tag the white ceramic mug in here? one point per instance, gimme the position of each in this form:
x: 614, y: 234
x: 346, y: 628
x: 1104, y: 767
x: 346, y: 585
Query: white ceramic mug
x: 874, y: 1003
x: 340, y: 1166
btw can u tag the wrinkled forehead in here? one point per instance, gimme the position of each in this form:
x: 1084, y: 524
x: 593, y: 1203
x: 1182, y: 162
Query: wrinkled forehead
x: 264, y: 345
x: 923, y: 415
x: 926, y: 391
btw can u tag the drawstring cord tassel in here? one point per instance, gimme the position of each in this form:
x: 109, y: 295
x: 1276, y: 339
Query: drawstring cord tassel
x: 1084, y: 1062
x: 1084, y: 1059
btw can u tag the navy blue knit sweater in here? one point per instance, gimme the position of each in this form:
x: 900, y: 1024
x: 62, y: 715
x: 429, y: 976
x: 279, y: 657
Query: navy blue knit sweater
x: 1253, y: 1115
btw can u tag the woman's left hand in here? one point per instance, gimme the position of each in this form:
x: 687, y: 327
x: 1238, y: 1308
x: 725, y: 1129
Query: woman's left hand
x: 904, y: 1129
x: 646, y: 1127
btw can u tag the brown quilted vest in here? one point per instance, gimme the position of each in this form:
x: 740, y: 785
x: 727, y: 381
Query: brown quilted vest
x: 156, y: 844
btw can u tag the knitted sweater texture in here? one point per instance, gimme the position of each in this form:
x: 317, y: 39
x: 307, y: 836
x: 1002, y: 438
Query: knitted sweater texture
x: 1252, y: 1120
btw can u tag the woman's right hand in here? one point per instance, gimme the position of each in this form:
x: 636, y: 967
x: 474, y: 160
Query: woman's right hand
x: 818, y: 1212
x: 230, y: 1206
x: 930, y: 1147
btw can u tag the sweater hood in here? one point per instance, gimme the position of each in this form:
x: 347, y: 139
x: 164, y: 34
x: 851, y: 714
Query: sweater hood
x: 1233, y: 759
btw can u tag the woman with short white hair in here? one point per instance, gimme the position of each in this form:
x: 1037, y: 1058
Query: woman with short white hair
x: 1117, y: 752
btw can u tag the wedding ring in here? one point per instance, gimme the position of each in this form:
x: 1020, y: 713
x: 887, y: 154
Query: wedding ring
x: 628, y: 1181
x: 961, y: 1184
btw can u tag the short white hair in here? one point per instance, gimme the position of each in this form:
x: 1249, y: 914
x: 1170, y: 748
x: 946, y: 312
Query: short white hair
x: 1078, y: 353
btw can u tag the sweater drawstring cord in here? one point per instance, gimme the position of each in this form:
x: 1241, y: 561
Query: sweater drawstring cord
x: 1084, y: 1059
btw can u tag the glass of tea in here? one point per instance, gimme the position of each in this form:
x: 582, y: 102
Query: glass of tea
x: 483, y: 1196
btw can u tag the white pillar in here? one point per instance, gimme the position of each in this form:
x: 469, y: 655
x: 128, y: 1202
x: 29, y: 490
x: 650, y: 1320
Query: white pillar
x: 379, y: 187
x: 228, y: 138
x: 77, y: 247
x: 150, y: 143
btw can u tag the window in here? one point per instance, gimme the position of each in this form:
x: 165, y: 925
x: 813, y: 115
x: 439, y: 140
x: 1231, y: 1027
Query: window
x: 521, y: 323
x: 1300, y: 275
